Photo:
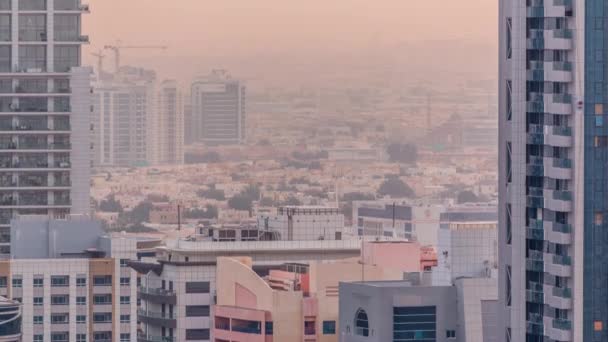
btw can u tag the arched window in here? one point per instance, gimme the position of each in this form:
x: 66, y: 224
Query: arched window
x: 361, y: 323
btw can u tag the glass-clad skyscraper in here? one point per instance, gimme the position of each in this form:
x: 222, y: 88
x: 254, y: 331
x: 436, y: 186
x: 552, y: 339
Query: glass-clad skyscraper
x: 45, y: 106
x: 553, y: 172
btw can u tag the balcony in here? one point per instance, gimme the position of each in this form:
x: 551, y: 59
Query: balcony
x: 157, y: 295
x: 558, y: 39
x: 163, y: 319
x: 549, y: 71
x: 558, y: 265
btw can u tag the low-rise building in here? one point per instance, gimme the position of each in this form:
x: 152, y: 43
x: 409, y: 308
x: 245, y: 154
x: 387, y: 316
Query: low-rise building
x: 401, y: 311
x: 304, y: 223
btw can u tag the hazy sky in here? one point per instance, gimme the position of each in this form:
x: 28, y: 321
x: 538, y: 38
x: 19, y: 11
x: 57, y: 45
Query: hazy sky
x: 316, y: 29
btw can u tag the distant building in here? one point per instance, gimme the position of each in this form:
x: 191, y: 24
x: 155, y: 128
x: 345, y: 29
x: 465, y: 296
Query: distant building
x: 170, y: 126
x: 72, y: 280
x: 403, y: 219
x: 163, y: 213
x: 303, y: 223
x: 125, y: 117
x: 218, y: 109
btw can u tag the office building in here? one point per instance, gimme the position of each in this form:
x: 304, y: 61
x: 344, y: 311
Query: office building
x: 71, y: 279
x: 379, y: 311
x: 125, y: 118
x: 218, y: 109
x: 10, y: 320
x: 45, y: 111
x: 170, y: 126
x: 552, y: 171
x: 303, y: 223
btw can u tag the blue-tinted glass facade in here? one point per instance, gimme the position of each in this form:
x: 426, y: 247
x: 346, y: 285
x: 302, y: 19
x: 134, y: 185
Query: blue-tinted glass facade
x: 595, y: 294
x: 415, y: 323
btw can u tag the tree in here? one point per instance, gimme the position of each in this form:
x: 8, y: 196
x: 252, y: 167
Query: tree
x: 212, y: 193
x: 252, y: 190
x: 110, y: 204
x: 402, y: 153
x: 266, y: 202
x: 291, y: 200
x: 357, y: 196
x: 467, y: 196
x: 240, y: 202
x: 155, y: 198
x: 394, y: 188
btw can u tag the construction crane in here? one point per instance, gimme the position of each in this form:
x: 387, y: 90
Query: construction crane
x: 117, y: 47
x: 100, y: 56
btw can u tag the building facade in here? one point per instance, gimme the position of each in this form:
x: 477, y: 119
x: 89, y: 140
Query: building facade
x: 10, y: 320
x: 125, y: 116
x: 170, y: 128
x: 73, y: 281
x: 218, y: 109
x: 45, y: 111
x: 552, y: 176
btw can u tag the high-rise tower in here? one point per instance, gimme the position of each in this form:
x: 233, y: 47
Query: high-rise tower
x: 218, y: 109
x: 45, y: 107
x: 553, y: 170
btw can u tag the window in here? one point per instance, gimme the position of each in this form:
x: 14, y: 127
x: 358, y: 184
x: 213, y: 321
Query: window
x: 509, y: 38
x: 3, y: 282
x: 38, y: 319
x: 38, y: 301
x: 310, y: 328
x: 123, y: 262
x: 60, y: 300
x: 60, y: 337
x: 32, y: 27
x: 509, y: 100
x: 32, y: 5
x: 67, y: 27
x: 599, y: 109
x: 417, y: 322
x: 81, y: 281
x: 100, y: 336
x: 81, y: 300
x: 105, y: 280
x: 81, y: 337
x: 125, y: 300
x: 125, y: 337
x: 38, y: 282
x: 268, y: 327
x: 5, y: 59
x: 598, y: 326
x: 38, y: 338
x: 81, y: 319
x: 102, y: 299
x: 329, y: 327
x: 361, y: 323
x: 66, y: 57
x: 125, y: 318
x: 18, y: 299
x: 32, y: 57
x: 197, y: 334
x: 450, y: 333
x: 125, y: 281
x: 61, y: 318
x: 17, y: 282
x: 197, y: 310
x: 102, y: 317
x: 60, y: 281
x: 197, y: 287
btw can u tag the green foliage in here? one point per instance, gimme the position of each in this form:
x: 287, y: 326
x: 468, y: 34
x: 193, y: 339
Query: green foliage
x: 402, y: 153
x: 395, y: 188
